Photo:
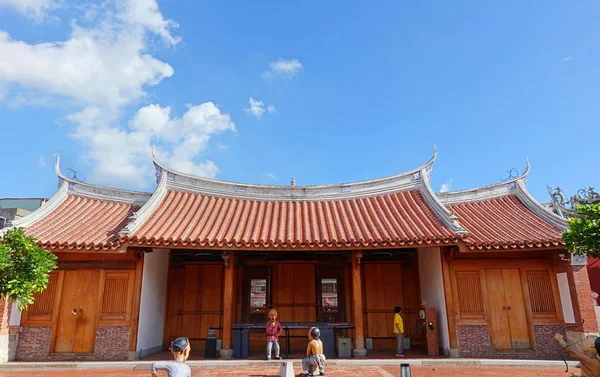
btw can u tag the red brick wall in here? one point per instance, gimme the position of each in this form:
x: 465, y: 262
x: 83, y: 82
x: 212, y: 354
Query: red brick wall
x: 112, y: 343
x: 34, y: 343
x: 581, y: 294
x: 474, y: 342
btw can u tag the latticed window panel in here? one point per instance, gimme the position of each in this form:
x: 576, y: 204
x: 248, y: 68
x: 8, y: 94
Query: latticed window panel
x: 470, y: 296
x: 541, y: 294
x: 116, y: 296
x: 43, y: 306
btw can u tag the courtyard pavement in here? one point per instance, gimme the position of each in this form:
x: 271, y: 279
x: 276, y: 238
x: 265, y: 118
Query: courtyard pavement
x: 333, y: 371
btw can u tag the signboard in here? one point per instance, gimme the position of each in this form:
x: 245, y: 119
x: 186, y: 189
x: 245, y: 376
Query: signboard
x: 578, y: 260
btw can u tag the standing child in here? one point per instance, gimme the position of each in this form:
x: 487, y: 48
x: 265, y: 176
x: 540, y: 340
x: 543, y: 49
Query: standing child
x: 399, y: 331
x: 273, y: 330
x: 180, y: 349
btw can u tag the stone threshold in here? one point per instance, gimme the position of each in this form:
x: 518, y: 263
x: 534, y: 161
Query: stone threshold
x: 145, y: 365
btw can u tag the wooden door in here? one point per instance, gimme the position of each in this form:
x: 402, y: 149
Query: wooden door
x: 76, y: 326
x: 508, y: 319
x: 383, y: 291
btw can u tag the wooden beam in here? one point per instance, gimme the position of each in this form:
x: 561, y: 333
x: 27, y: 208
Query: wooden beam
x: 228, y: 300
x: 446, y: 255
x: 359, y: 334
x: 97, y: 265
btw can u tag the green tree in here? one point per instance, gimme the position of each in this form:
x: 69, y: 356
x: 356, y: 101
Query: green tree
x: 583, y: 235
x: 24, y: 267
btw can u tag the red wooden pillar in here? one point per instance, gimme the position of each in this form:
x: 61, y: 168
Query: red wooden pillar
x: 228, y: 303
x: 357, y: 297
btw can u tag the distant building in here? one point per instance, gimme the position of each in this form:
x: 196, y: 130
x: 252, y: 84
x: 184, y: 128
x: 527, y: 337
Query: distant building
x: 16, y: 208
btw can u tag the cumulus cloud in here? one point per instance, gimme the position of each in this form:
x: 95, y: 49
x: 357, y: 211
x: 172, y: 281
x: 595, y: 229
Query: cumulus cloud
x: 257, y: 108
x: 447, y: 186
x: 284, y: 69
x: 104, y: 66
x: 36, y: 9
x: 119, y: 154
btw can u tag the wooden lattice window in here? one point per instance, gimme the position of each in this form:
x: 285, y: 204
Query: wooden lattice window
x: 541, y: 294
x: 43, y: 306
x: 116, y: 298
x: 470, y: 297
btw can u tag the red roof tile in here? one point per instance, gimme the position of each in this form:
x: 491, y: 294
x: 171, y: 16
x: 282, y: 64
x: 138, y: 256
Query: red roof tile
x: 82, y: 223
x: 503, y: 223
x: 188, y: 219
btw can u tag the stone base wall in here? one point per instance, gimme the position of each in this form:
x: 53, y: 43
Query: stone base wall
x: 474, y: 342
x: 34, y: 343
x: 112, y: 343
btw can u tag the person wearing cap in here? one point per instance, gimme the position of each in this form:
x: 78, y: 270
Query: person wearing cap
x: 314, y: 354
x: 180, y: 349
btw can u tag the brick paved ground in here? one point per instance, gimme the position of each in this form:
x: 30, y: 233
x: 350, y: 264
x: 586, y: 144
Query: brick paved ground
x: 333, y: 371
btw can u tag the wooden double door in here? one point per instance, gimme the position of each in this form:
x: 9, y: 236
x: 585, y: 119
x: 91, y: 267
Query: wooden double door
x: 76, y: 325
x: 508, y: 316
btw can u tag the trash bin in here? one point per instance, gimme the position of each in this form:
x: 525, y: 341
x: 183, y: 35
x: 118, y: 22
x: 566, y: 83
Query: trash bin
x: 210, y: 352
x: 328, y: 339
x: 240, y: 343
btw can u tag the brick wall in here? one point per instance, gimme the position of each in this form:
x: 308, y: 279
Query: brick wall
x: 581, y: 294
x: 474, y: 342
x: 112, y: 343
x: 34, y: 343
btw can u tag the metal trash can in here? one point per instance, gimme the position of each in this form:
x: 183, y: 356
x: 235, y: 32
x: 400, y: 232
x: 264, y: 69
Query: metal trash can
x: 240, y: 343
x: 328, y: 339
x: 210, y: 352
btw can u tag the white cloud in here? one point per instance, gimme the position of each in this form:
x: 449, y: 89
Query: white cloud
x: 269, y: 175
x: 222, y: 147
x: 257, y: 108
x: 42, y: 162
x: 567, y: 58
x: 120, y: 155
x: 102, y: 65
x: 285, y: 69
x: 102, y: 68
x: 36, y: 9
x: 447, y: 186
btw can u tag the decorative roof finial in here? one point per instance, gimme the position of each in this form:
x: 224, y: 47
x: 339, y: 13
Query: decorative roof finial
x: 293, y: 183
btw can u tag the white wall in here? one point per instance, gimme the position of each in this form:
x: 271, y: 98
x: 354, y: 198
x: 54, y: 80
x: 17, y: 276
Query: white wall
x: 565, y: 297
x: 153, y: 302
x: 432, y: 290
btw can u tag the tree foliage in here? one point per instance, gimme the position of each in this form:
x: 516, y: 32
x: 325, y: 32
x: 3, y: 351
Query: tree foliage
x: 24, y: 267
x: 583, y: 235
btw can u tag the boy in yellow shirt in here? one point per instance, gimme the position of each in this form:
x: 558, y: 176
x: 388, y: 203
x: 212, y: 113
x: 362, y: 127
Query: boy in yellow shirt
x: 399, y: 331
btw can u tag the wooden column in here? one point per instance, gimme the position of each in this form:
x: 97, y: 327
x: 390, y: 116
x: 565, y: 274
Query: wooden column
x: 228, y: 300
x: 357, y: 298
x: 446, y: 255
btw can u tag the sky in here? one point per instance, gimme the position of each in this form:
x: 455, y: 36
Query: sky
x: 319, y: 91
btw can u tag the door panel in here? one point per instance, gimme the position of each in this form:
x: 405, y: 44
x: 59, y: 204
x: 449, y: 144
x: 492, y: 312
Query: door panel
x: 499, y: 325
x: 517, y: 317
x: 383, y: 291
x: 76, y: 333
x: 509, y: 327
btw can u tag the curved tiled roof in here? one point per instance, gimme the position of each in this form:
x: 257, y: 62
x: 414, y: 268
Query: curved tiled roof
x: 504, y: 223
x: 195, y: 219
x: 81, y: 223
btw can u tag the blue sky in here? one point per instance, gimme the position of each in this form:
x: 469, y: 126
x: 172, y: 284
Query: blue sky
x: 341, y: 91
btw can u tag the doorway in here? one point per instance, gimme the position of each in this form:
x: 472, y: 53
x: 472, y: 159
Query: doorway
x: 76, y: 326
x: 508, y: 317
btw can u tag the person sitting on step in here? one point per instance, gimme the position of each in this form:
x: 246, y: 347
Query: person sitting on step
x: 315, y: 359
x: 180, y: 349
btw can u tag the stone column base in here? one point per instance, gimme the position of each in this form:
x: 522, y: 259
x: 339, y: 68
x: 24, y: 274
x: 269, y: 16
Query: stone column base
x: 360, y: 353
x: 454, y: 352
x: 226, y: 354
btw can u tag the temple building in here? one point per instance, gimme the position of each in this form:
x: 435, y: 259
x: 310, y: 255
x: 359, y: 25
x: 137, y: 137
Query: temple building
x: 207, y: 259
